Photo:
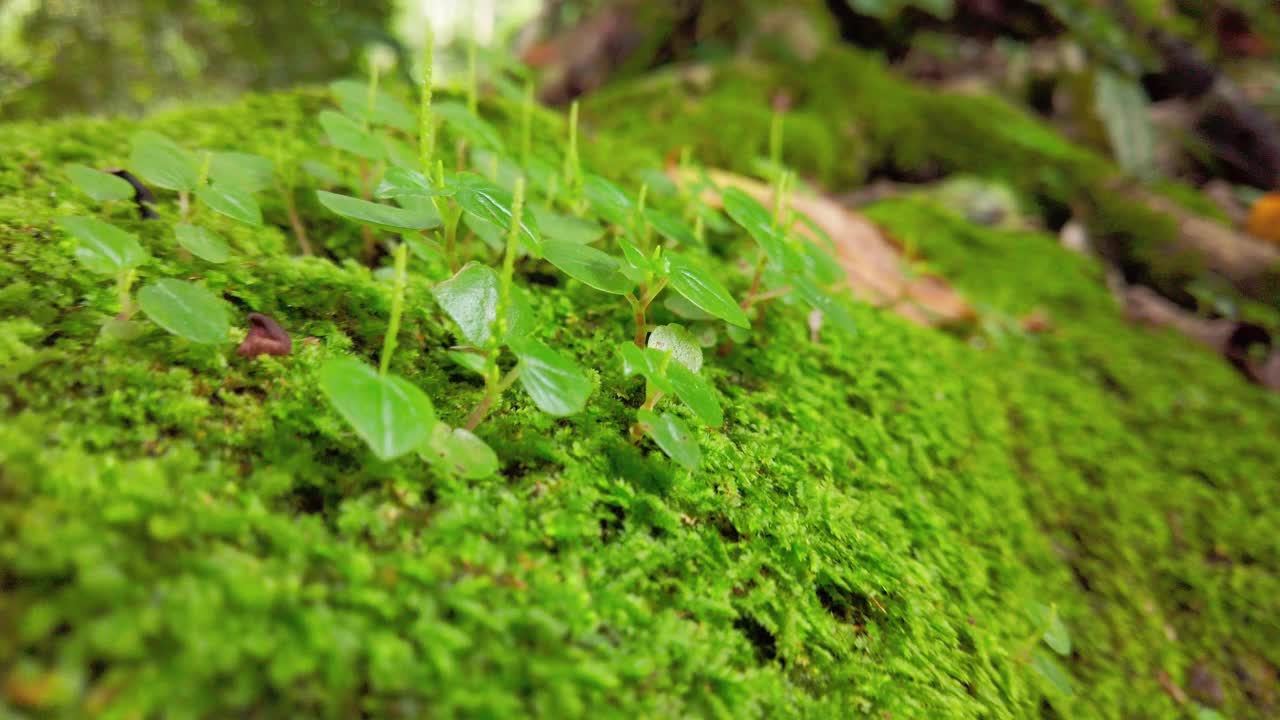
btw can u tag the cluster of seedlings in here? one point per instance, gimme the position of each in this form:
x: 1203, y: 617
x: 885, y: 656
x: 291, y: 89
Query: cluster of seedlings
x: 476, y: 209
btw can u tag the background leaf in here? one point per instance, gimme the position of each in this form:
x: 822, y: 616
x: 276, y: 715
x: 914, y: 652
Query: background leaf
x: 102, y: 247
x: 556, y: 384
x: 353, y: 98
x: 587, y: 265
x: 470, y: 299
x: 490, y: 203
x: 346, y: 134
x: 459, y: 452
x: 233, y: 202
x: 243, y: 171
x: 390, y: 414
x: 462, y: 122
x: 100, y: 186
x: 389, y: 217
x: 186, y: 310
x: 202, y: 243
x: 673, y: 436
x: 703, y: 290
x: 159, y: 161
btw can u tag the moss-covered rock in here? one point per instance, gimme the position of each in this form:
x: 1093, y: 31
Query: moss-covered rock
x: 184, y: 533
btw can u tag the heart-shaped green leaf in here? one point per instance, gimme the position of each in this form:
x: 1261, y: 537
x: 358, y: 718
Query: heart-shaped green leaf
x: 421, y: 217
x: 703, y: 290
x: 159, y: 161
x: 587, y: 265
x: 389, y: 413
x: 243, y: 171
x: 756, y: 220
x: 678, y: 341
x: 99, y: 185
x: 202, y: 243
x: 186, y: 310
x: 669, y: 227
x: 464, y: 124
x: 556, y: 384
x: 406, y: 182
x: 232, y: 202
x: 353, y: 98
x: 608, y: 199
x: 460, y: 453
x: 673, y: 436
x: 102, y: 247
x: 346, y: 134
x: 487, y: 201
x: 564, y: 228
x: 470, y: 299
x: 697, y: 393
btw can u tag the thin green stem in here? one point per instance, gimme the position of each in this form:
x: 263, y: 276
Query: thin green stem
x: 775, y: 138
x: 761, y: 264
x: 426, y: 129
x: 124, y: 283
x: 472, y: 103
x: 509, y: 258
x: 491, y: 395
x: 526, y: 121
x: 397, y: 307
x: 638, y: 310
x: 572, y: 166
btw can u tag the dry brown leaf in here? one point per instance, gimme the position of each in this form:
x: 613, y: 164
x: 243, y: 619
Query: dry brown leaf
x: 876, y: 266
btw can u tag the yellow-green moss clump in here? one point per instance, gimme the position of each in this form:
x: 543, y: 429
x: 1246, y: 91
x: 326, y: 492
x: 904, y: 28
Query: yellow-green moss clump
x: 184, y: 533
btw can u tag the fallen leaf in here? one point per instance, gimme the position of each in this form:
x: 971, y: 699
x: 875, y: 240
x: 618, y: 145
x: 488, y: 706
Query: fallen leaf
x: 1170, y: 687
x: 1264, y: 218
x: 266, y: 337
x: 876, y: 267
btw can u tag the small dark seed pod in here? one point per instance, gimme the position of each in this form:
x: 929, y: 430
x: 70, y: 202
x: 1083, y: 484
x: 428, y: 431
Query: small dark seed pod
x: 266, y: 337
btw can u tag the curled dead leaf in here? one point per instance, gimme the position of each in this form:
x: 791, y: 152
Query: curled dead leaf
x: 266, y: 337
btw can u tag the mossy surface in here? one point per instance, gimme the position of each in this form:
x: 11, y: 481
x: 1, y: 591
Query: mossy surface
x: 184, y: 533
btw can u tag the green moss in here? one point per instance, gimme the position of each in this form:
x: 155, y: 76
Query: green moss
x: 188, y: 534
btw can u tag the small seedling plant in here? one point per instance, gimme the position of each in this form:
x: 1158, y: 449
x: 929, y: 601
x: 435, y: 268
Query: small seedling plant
x: 222, y: 182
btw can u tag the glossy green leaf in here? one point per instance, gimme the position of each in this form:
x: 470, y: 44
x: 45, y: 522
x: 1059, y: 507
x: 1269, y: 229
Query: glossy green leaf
x: 390, y: 414
x: 757, y: 221
x: 102, y: 247
x: 487, y: 201
x: 353, y: 98
x: 832, y: 308
x: 608, y: 199
x: 673, y: 436
x: 587, y: 265
x: 160, y: 162
x: 564, y: 228
x: 187, y: 310
x: 463, y: 123
x: 556, y: 384
x: 459, y: 452
x: 682, y: 308
x: 399, y: 153
x: 648, y: 362
x: 405, y: 182
x: 703, y: 290
x: 1057, y: 679
x: 243, y: 171
x: 469, y: 360
x: 379, y: 215
x: 470, y: 299
x: 100, y: 186
x: 232, y: 202
x: 697, y: 393
x: 202, y: 243
x: 346, y: 134
x: 491, y: 235
x: 678, y: 341
x: 670, y: 227
x: 636, y: 261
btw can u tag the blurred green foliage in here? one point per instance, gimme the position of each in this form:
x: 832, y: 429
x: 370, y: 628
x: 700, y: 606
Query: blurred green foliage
x: 75, y: 56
